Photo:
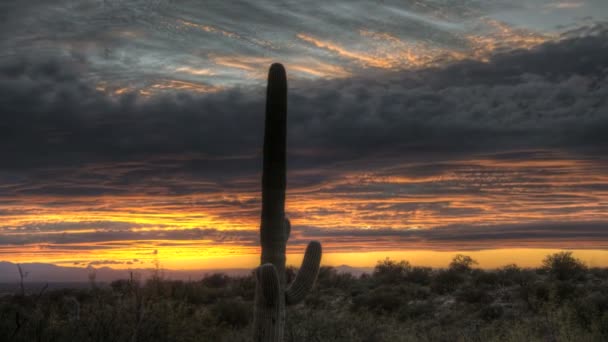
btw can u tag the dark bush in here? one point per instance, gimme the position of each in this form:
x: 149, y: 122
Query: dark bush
x: 563, y: 266
x: 232, y: 312
x: 329, y: 277
x: 122, y: 286
x: 599, y: 273
x: 446, y: 281
x: 473, y: 295
x: 462, y: 263
x: 216, y: 280
x: 420, y: 275
x: 416, y: 309
x: 564, y: 290
x: 507, y: 304
x: 383, y: 299
x: 491, y: 312
x: 243, y: 287
x: 388, y: 271
x: 513, y: 275
x: 484, y: 278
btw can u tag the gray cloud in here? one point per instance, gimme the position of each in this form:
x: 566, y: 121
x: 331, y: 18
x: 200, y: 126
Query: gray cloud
x: 463, y: 237
x: 553, y: 96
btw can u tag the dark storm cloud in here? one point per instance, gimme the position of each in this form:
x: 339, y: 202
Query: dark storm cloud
x: 552, y: 96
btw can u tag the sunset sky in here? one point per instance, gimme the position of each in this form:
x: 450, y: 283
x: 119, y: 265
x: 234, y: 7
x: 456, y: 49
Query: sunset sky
x: 131, y: 131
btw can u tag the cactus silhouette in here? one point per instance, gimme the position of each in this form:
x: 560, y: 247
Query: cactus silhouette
x: 272, y: 293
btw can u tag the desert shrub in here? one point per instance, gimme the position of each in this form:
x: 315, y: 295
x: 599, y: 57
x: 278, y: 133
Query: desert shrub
x: 508, y: 304
x: 484, y: 278
x: 600, y: 325
x: 596, y: 300
x: 514, y: 275
x: 491, y: 312
x: 382, y: 299
x: 388, y: 271
x: 564, y: 290
x: 329, y: 277
x: 243, y: 287
x: 232, y: 312
x: 325, y: 275
x: 599, y: 273
x: 536, y: 295
x: 420, y: 275
x: 462, y: 263
x: 563, y: 266
x: 416, y: 309
x: 122, y: 286
x: 446, y: 281
x: 473, y: 295
x: 216, y: 280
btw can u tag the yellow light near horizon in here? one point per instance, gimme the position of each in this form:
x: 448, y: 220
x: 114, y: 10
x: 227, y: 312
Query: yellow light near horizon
x: 201, y: 258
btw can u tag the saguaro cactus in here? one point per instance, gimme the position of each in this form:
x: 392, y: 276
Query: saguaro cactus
x: 272, y: 293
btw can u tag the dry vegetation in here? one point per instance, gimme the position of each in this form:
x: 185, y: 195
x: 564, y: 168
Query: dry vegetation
x: 561, y: 301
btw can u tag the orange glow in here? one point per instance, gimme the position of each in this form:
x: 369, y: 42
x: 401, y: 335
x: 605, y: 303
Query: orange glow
x: 390, y: 52
x: 183, y: 85
x: 253, y: 67
x: 121, y: 91
x: 194, y: 71
x: 479, y: 192
x: 319, y: 69
x: 208, y: 28
x: 363, y: 58
x: 504, y: 38
x: 565, y: 5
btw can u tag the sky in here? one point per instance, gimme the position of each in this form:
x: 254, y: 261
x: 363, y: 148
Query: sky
x: 131, y: 131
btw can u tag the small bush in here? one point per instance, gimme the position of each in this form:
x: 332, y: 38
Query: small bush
x: 388, y: 271
x: 216, y: 280
x: 420, y: 275
x: 491, y: 312
x: 384, y: 299
x: 483, y: 278
x: 474, y: 295
x: 232, y: 312
x: 563, y: 266
x: 446, y: 281
x: 462, y: 263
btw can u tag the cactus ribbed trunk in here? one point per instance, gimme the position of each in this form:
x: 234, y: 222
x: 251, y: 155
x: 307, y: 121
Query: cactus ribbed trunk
x: 272, y: 294
x: 272, y: 228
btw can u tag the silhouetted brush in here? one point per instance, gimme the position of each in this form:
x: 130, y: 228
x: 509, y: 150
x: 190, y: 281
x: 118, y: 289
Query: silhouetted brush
x: 272, y: 294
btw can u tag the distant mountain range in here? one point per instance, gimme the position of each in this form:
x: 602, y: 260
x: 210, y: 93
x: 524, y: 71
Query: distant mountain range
x: 49, y: 273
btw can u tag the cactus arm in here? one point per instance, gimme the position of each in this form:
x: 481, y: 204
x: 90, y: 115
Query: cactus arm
x: 307, y: 274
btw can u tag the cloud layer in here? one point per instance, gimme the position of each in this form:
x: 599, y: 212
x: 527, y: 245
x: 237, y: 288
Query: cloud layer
x: 495, y: 150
